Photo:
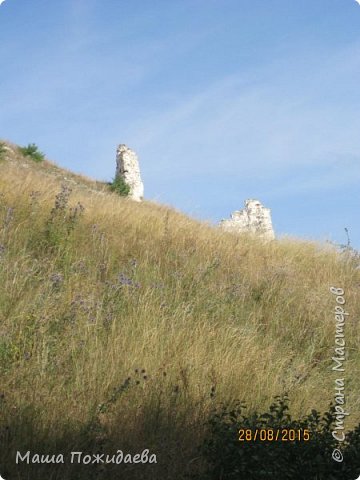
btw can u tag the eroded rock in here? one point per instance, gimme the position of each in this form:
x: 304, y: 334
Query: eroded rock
x: 254, y: 218
x: 127, y: 167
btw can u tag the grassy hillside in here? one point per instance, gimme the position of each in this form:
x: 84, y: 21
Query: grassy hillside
x: 124, y: 324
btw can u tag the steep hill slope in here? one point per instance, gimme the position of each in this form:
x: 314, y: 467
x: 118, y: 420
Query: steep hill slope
x: 129, y: 320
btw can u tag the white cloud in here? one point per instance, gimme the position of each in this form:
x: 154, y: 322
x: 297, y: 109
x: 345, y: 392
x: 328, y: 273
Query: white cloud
x: 2, y: 1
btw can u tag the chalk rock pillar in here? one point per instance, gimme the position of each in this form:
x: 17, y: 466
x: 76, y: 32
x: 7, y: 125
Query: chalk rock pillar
x: 127, y: 167
x: 254, y: 218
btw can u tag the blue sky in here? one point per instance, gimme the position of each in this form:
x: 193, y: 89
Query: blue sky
x: 222, y: 100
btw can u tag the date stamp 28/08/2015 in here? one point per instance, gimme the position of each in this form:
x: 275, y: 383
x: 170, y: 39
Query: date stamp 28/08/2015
x: 273, y: 435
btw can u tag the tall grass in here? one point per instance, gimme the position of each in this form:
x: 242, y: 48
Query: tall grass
x: 124, y: 323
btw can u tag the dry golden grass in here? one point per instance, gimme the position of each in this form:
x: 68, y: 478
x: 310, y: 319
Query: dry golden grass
x: 88, y: 299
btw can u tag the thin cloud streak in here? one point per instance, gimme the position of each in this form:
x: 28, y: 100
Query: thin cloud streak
x: 240, y: 127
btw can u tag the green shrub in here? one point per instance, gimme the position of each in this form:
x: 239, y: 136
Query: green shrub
x: 2, y: 151
x: 309, y: 456
x: 33, y: 152
x: 119, y: 186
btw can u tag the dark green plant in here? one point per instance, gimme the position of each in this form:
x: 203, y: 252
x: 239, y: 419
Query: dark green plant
x: 308, y: 456
x: 119, y: 186
x: 2, y: 151
x: 33, y: 152
x: 116, y: 393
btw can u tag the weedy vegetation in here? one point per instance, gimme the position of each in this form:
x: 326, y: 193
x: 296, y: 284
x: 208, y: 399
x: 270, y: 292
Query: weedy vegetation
x: 273, y: 445
x: 2, y: 151
x: 119, y: 186
x: 32, y: 151
x: 126, y: 325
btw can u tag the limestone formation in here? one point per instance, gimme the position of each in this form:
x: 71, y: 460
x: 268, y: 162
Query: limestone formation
x: 127, y: 167
x: 254, y: 218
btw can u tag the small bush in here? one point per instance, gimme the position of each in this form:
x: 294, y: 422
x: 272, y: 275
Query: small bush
x: 308, y: 456
x: 33, y: 152
x: 2, y: 151
x: 120, y: 187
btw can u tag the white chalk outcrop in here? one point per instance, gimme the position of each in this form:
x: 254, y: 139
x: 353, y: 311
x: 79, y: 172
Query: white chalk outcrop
x: 127, y: 167
x: 254, y: 218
